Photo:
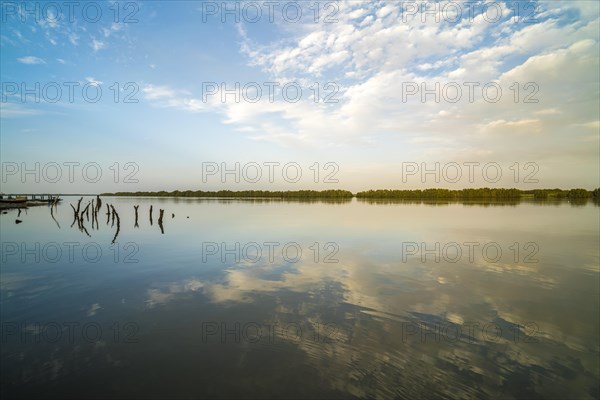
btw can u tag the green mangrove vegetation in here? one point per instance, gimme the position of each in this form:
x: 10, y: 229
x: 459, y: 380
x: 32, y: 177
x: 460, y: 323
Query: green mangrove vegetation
x: 291, y: 194
x: 442, y: 194
x: 418, y: 194
x: 478, y: 194
x: 563, y: 194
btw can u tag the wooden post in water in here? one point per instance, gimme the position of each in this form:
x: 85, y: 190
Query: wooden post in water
x: 136, y: 217
x: 150, y: 215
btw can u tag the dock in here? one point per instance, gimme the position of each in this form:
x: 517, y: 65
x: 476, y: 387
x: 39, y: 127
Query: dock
x: 15, y: 200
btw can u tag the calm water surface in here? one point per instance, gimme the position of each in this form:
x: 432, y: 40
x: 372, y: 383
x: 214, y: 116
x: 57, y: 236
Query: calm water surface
x: 290, y: 299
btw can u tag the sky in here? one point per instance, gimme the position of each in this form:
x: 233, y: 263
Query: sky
x: 357, y: 95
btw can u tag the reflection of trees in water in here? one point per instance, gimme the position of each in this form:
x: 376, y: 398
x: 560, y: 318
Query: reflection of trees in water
x: 481, y: 203
x: 483, y: 194
x: 231, y: 200
x: 576, y: 202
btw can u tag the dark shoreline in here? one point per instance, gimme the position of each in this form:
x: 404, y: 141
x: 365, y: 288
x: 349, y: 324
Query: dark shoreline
x: 384, y: 194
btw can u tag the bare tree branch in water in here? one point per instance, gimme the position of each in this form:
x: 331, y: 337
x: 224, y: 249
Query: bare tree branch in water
x: 118, y: 223
x: 93, y: 211
x: 83, y: 229
x: 79, y: 205
x: 52, y: 213
x: 85, y: 211
x: 160, y: 221
x: 80, y: 222
x: 95, y: 217
x: 75, y: 215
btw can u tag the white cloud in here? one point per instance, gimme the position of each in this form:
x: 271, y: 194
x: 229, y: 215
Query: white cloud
x: 524, y: 126
x: 73, y: 38
x: 153, y: 92
x: 31, y: 60
x: 371, y: 53
x: 97, y: 45
x: 12, y: 110
x: 112, y: 29
x: 93, y: 81
x: 165, y: 96
x: 373, y: 59
x: 549, y: 111
x: 592, y: 125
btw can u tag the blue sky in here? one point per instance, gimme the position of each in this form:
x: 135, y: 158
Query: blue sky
x: 367, y: 55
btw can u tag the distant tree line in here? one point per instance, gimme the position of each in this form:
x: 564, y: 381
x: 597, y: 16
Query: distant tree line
x: 481, y: 193
x: 418, y: 194
x: 296, y: 194
x: 442, y: 194
x: 563, y: 194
